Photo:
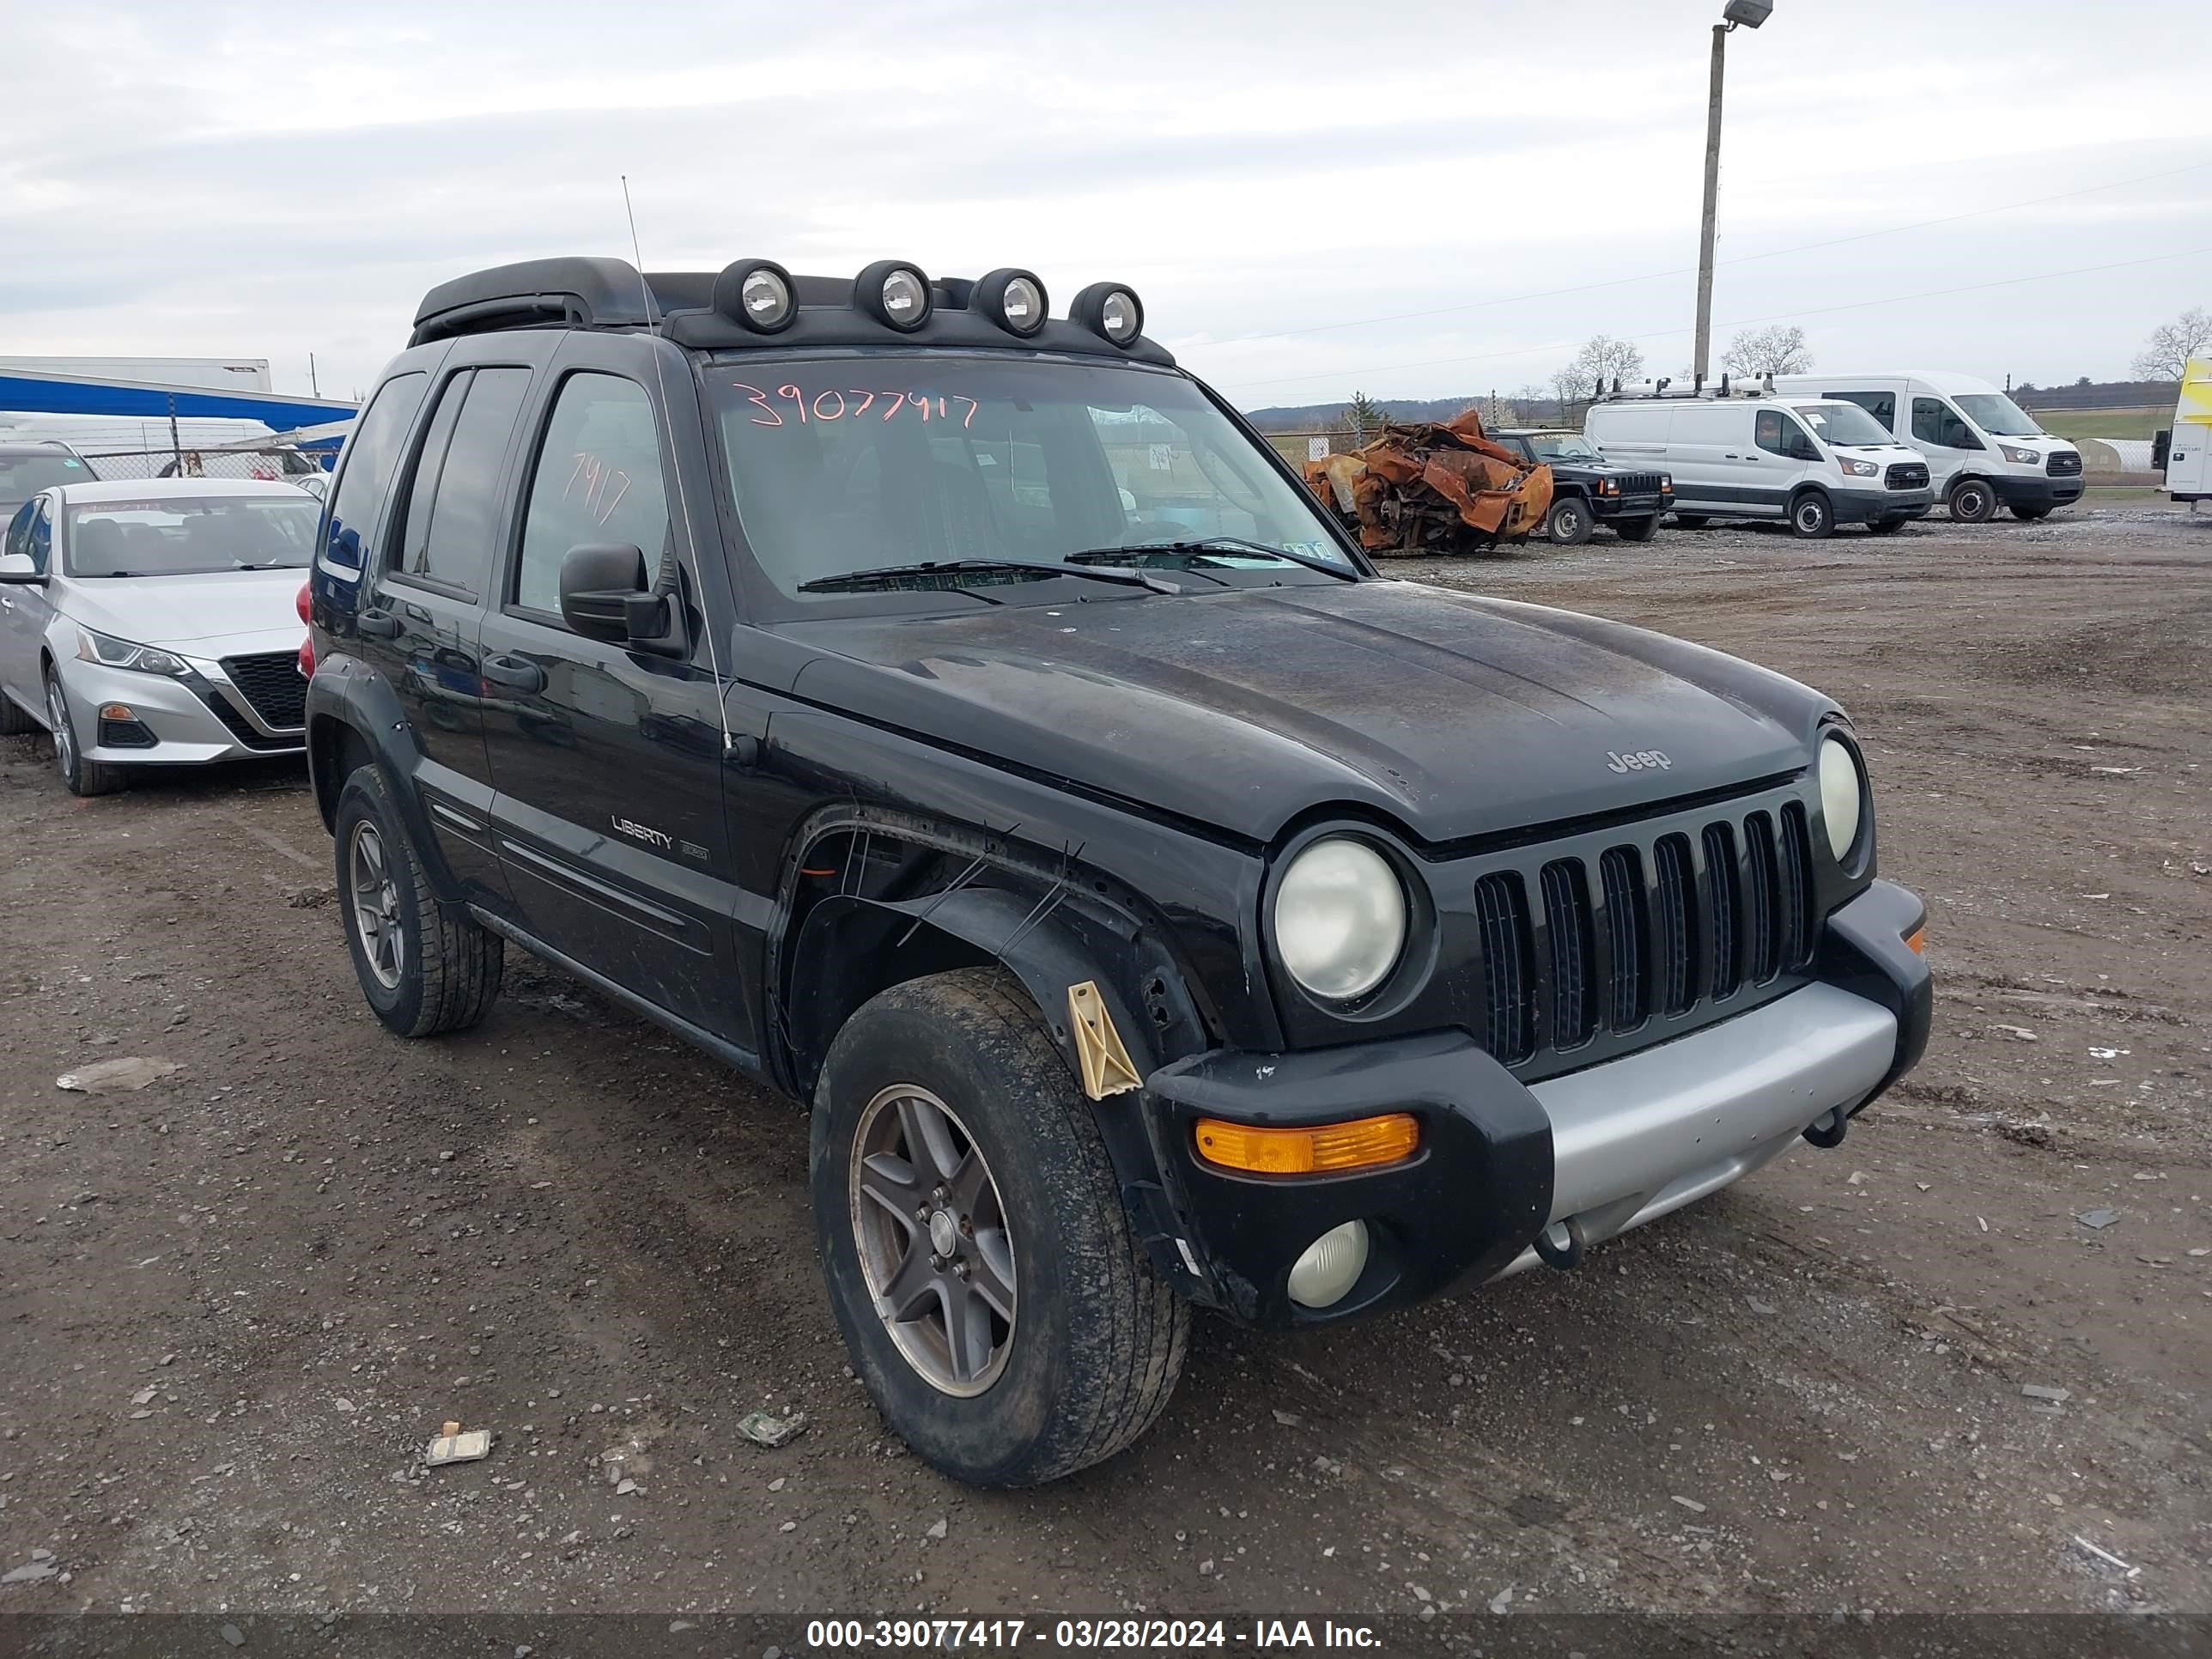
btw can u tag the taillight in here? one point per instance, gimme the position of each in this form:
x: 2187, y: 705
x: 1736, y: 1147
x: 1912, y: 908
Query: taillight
x: 307, y: 658
x: 305, y: 604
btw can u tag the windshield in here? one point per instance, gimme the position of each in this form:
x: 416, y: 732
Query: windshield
x: 1997, y: 415
x: 1843, y: 423
x: 22, y: 477
x: 190, y: 536
x: 846, y: 464
x: 1562, y: 447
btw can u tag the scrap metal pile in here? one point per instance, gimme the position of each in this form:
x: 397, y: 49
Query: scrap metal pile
x: 1429, y: 488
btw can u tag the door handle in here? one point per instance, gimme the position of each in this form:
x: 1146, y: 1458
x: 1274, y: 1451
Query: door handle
x: 377, y: 625
x: 515, y: 674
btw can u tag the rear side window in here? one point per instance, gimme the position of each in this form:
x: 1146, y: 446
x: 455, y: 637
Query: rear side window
x: 453, y: 505
x: 597, y: 479
x: 1882, y: 405
x: 372, y: 456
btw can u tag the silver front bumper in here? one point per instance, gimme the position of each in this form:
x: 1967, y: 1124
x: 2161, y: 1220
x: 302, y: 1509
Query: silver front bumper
x: 1639, y: 1136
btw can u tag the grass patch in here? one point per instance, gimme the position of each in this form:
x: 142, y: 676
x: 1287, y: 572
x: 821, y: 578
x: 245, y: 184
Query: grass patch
x: 2080, y: 423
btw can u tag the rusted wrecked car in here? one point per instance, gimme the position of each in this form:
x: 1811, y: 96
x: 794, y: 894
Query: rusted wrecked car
x: 1429, y: 488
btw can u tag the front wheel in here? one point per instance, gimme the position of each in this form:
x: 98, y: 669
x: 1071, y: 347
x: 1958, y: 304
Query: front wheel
x: 977, y: 1254
x: 1887, y: 527
x: 1812, y: 517
x: 82, y: 777
x: 1637, y: 530
x: 1693, y: 520
x: 1972, y: 502
x: 1569, y: 523
x: 2031, y: 514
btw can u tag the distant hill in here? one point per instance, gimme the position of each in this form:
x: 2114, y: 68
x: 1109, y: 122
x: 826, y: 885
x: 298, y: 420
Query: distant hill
x: 1316, y: 417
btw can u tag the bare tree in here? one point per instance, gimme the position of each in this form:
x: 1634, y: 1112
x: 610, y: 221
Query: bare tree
x: 1604, y: 358
x: 1528, y: 404
x: 2170, y: 345
x: 1779, y: 348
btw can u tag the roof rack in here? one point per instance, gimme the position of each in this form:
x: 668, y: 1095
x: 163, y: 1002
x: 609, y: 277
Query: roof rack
x: 591, y: 293
x: 1664, y: 389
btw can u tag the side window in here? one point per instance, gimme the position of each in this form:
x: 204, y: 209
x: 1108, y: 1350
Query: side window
x: 41, y: 549
x: 597, y: 479
x: 453, y: 505
x: 372, y: 456
x: 1767, y: 432
x: 1882, y: 405
x: 19, y: 530
x: 1934, y: 422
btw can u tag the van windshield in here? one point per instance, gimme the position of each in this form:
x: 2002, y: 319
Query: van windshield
x: 846, y: 464
x: 1843, y: 423
x: 1997, y: 415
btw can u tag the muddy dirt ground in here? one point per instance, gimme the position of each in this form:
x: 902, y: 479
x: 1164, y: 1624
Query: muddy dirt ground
x: 234, y: 1305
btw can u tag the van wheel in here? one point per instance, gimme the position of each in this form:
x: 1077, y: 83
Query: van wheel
x: 977, y: 1254
x: 1887, y: 527
x: 1569, y: 523
x: 1637, y: 530
x: 423, y: 970
x: 82, y: 777
x: 2031, y: 514
x: 1812, y: 517
x: 1972, y: 502
x: 1691, y: 520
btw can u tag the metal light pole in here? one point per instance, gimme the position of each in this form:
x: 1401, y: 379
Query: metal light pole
x: 1750, y: 14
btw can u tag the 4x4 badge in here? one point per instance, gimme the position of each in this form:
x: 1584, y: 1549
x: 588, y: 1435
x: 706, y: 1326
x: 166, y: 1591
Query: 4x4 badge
x: 1636, y: 762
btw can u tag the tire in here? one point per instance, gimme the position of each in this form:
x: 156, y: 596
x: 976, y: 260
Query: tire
x: 15, y: 722
x: 1812, y: 517
x: 1569, y: 522
x: 2031, y: 514
x: 1693, y: 520
x: 1083, y: 1356
x: 84, y: 777
x: 1971, y: 501
x: 1887, y: 527
x: 424, y: 970
x: 1637, y: 530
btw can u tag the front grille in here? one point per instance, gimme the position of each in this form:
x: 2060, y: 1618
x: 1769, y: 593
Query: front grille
x: 1640, y: 483
x: 2063, y: 464
x: 1907, y: 475
x: 271, y: 682
x: 1693, y: 923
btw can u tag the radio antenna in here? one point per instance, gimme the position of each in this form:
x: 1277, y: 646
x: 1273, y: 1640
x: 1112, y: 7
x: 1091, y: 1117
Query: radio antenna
x: 682, y: 501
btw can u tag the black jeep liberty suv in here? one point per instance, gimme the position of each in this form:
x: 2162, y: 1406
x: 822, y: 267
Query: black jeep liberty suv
x: 1588, y: 491
x: 956, y: 717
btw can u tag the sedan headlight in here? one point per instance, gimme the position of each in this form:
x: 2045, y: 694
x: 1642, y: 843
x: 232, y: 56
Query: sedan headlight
x: 1842, y: 797
x: 1859, y: 468
x: 2019, y: 457
x: 113, y: 653
x: 1339, y: 918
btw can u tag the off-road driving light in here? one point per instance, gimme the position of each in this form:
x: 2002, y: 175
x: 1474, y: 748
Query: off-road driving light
x: 1320, y: 1150
x: 894, y: 292
x: 757, y: 293
x: 1012, y: 299
x: 1109, y: 310
x: 1843, y: 800
x: 1339, y: 918
x: 1324, y: 1275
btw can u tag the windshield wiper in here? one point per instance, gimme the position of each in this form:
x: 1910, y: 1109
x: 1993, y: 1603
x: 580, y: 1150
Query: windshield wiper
x: 1221, y: 545
x: 890, y: 575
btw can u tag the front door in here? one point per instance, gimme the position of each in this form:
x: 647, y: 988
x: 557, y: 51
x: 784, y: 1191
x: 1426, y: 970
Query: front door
x: 1777, y: 460
x: 1940, y: 433
x: 607, y: 762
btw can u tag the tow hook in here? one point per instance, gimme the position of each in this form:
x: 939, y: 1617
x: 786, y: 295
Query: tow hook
x: 1561, y: 1245
x: 1827, y: 1129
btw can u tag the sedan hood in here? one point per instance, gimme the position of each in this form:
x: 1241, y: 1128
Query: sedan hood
x: 212, y: 616
x: 1243, y: 709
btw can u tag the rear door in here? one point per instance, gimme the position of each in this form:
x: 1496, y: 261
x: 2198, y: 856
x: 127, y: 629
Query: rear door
x: 19, y: 633
x: 606, y: 761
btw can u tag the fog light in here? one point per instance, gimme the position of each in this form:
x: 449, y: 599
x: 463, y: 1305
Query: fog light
x: 1331, y: 1266
x: 894, y: 293
x: 1110, y: 309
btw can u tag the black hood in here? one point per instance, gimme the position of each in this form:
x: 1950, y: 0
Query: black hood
x: 1243, y: 709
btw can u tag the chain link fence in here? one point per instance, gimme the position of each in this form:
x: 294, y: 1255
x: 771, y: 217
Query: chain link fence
x: 272, y: 464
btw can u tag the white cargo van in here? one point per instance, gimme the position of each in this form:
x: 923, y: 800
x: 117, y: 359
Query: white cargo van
x: 1812, y: 462
x: 1984, y: 450
x: 2188, y: 461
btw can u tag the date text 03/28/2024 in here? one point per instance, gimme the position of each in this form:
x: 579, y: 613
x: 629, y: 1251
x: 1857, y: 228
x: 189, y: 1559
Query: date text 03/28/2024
x: 941, y: 1634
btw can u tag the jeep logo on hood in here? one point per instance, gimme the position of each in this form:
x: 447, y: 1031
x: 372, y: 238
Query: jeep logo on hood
x: 1638, y: 762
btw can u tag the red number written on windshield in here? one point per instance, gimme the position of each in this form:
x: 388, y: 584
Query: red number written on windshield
x: 832, y: 404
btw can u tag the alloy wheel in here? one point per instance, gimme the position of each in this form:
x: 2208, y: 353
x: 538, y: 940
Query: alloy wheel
x: 58, y: 715
x: 376, y: 905
x: 933, y: 1241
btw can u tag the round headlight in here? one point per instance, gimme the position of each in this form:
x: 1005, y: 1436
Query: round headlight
x: 1110, y: 309
x: 1843, y: 800
x: 757, y: 293
x: 1012, y: 299
x: 1340, y: 919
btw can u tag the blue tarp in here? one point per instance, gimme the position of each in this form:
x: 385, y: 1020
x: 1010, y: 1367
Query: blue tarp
x: 59, y: 394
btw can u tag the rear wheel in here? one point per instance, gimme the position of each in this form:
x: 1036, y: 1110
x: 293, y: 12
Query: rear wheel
x: 977, y: 1254
x: 15, y: 721
x: 1812, y: 516
x: 1569, y: 523
x: 423, y: 969
x: 84, y: 777
x: 1637, y: 530
x: 1693, y: 520
x: 1972, y: 502
x: 2031, y: 514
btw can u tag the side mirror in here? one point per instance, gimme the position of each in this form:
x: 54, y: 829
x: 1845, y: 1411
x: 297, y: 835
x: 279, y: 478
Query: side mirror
x: 605, y: 595
x: 18, y: 569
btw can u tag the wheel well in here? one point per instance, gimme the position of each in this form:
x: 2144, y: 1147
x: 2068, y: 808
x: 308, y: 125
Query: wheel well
x: 335, y: 750
x: 846, y: 952
x: 1804, y: 490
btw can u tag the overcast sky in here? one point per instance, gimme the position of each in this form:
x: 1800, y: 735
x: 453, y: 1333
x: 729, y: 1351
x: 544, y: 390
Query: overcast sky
x: 199, y: 179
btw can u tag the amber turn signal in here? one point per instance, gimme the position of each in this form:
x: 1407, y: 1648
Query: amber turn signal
x: 1316, y: 1150
x: 1917, y: 941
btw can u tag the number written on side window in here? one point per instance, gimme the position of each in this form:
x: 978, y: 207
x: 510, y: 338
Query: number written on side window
x: 596, y: 479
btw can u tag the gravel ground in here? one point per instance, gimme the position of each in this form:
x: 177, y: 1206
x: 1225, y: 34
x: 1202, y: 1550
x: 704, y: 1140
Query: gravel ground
x: 237, y: 1302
